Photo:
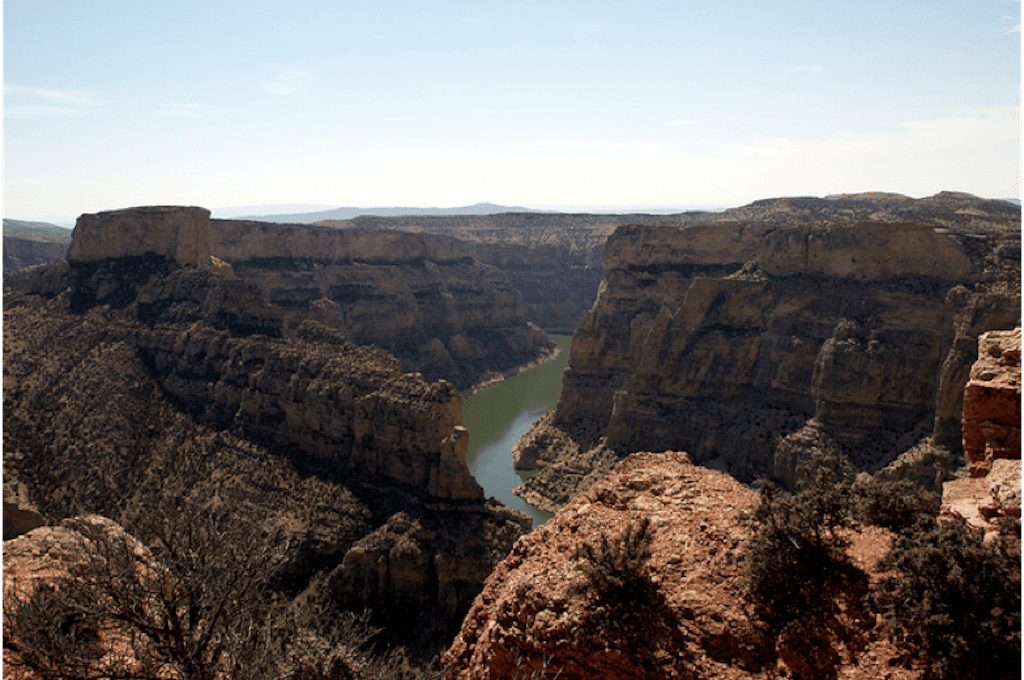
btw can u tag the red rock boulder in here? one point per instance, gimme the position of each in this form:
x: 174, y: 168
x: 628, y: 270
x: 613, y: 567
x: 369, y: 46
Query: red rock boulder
x: 991, y: 415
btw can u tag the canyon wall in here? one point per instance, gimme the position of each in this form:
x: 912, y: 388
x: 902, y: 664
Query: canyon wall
x: 424, y: 297
x: 769, y: 349
x: 193, y: 387
x: 21, y: 252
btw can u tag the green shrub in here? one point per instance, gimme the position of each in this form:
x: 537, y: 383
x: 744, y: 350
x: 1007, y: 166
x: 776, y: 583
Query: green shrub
x: 796, y: 556
x: 616, y: 570
x: 955, y: 599
x: 896, y: 504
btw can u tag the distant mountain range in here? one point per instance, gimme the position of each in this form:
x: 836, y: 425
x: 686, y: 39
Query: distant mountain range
x: 346, y: 213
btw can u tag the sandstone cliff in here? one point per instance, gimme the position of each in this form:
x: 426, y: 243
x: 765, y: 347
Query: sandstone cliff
x: 554, y: 259
x: 539, y: 616
x: 990, y: 489
x: 765, y: 349
x: 193, y: 386
x: 21, y: 252
x: 423, y: 297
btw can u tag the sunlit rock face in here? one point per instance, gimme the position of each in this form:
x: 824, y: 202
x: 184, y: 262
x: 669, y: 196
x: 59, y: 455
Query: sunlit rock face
x: 193, y: 384
x: 726, y: 339
x: 424, y: 297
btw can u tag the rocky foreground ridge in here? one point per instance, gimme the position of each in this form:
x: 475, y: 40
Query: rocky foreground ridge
x: 539, y: 609
x: 770, y: 349
x: 191, y: 387
x: 425, y: 298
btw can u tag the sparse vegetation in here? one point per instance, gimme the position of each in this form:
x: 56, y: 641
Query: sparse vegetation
x: 955, y: 599
x: 616, y: 570
x: 895, y: 505
x: 193, y: 602
x: 796, y: 558
x: 619, y: 578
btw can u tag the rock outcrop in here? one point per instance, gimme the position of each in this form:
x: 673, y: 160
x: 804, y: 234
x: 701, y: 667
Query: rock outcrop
x: 193, y: 386
x: 991, y: 412
x: 725, y: 339
x: 44, y: 557
x: 540, y: 615
x: 423, y: 297
x: 991, y: 487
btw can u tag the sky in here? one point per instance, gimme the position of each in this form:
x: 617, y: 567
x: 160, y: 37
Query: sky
x: 549, y: 105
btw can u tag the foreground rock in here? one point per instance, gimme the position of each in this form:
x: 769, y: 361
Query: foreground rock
x: 991, y: 414
x: 538, y: 610
x: 423, y: 297
x: 768, y: 349
x: 990, y: 489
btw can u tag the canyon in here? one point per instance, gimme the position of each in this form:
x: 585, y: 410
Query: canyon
x: 422, y: 297
x: 141, y: 371
x: 308, y: 380
x: 775, y: 348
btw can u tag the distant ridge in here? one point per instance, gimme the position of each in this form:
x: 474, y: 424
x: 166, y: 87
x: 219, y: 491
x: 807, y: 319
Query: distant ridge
x: 347, y: 213
x: 38, y: 230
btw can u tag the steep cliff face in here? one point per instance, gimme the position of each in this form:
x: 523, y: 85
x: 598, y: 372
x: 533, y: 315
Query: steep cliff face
x: 991, y: 420
x: 195, y: 388
x: 850, y: 343
x: 21, y: 252
x: 554, y: 259
x: 424, y: 297
x: 990, y: 489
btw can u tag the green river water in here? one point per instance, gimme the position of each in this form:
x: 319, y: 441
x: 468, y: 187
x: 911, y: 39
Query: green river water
x: 498, y: 416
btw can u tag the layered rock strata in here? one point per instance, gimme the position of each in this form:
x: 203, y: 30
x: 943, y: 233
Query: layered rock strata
x: 848, y: 344
x: 195, y: 387
x: 554, y: 259
x: 991, y: 412
x: 423, y: 297
x: 991, y: 487
x: 21, y: 252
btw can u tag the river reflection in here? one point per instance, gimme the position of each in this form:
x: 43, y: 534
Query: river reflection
x: 497, y: 417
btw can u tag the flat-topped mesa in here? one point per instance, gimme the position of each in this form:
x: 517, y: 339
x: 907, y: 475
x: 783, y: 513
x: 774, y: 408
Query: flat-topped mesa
x: 422, y: 296
x: 863, y: 251
x: 760, y: 347
x: 179, y: 234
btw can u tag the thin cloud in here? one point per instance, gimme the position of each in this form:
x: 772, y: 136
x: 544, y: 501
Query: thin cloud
x: 815, y: 69
x: 22, y: 101
x: 182, y: 109
x: 687, y: 121
x: 640, y: 147
x: 287, y: 80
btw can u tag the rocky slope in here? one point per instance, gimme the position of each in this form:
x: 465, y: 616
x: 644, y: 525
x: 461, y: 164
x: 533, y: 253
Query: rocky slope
x: 539, y: 609
x: 192, y: 385
x: 423, y: 297
x: 767, y: 349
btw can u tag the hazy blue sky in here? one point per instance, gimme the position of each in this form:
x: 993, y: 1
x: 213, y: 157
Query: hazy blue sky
x: 658, y: 103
